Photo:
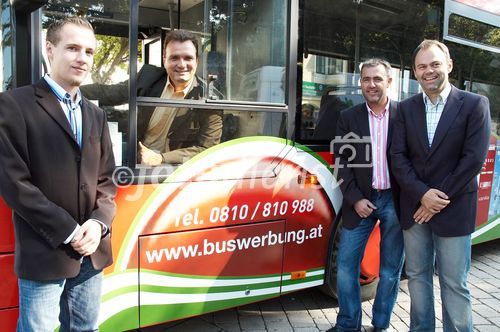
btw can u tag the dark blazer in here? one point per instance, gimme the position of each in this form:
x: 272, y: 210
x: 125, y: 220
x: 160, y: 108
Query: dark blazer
x: 451, y: 164
x: 192, y: 131
x: 50, y: 183
x: 355, y: 176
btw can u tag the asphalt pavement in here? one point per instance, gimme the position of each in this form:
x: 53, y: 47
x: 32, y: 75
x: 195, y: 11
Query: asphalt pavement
x: 311, y: 310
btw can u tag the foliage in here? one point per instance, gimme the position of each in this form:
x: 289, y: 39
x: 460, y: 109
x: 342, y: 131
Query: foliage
x: 112, y: 52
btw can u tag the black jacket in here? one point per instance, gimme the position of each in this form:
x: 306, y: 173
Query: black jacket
x: 356, y: 175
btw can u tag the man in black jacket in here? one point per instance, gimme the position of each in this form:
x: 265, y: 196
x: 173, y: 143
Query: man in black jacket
x: 168, y: 134
x: 362, y: 159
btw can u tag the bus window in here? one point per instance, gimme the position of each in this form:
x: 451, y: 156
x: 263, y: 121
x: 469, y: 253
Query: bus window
x: 391, y: 30
x: 171, y: 131
x: 110, y: 22
x: 226, y: 71
x: 247, y: 49
x: 361, y: 30
x: 480, y: 20
x: 6, y: 47
x: 357, y: 31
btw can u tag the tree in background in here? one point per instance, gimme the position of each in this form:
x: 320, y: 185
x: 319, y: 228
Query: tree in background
x: 112, y: 53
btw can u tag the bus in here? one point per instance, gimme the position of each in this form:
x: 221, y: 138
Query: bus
x: 257, y: 215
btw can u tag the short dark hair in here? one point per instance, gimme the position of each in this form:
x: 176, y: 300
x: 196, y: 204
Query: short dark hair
x: 374, y: 62
x: 428, y: 43
x: 181, y: 35
x: 54, y: 28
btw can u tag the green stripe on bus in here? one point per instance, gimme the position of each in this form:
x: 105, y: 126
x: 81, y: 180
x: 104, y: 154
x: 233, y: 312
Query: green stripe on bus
x: 190, y: 276
x: 155, y: 314
x: 125, y: 320
x: 304, y: 280
x: 207, y: 290
x: 312, y: 153
x: 120, y: 291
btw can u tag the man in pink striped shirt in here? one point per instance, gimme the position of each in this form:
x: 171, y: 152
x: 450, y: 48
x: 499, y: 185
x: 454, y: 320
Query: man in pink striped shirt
x: 363, y: 164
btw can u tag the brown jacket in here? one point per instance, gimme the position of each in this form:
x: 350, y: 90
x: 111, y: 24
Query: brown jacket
x: 50, y: 183
x: 192, y: 131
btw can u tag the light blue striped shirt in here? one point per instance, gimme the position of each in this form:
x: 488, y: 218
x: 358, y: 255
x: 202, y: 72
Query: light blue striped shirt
x: 76, y: 105
x: 433, y: 111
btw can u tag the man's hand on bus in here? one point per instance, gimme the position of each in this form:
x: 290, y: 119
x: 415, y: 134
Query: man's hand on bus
x: 364, y: 208
x: 434, y: 200
x: 148, y: 156
x: 87, y: 238
x: 423, y: 215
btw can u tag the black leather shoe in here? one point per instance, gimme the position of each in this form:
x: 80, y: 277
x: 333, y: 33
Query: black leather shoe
x: 378, y: 329
x: 334, y: 329
x: 337, y: 329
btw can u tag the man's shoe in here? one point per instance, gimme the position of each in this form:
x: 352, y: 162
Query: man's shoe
x: 378, y: 329
x: 338, y: 329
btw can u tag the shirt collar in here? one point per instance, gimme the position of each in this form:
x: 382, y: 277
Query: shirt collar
x: 443, y: 95
x: 185, y: 91
x: 60, y: 92
x: 386, y: 110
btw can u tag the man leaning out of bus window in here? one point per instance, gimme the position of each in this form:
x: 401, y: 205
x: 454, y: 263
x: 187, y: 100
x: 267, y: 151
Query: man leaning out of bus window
x: 168, y: 134
x: 369, y: 192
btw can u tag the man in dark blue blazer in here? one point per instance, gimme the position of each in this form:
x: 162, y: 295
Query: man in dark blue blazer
x: 361, y: 151
x: 439, y: 146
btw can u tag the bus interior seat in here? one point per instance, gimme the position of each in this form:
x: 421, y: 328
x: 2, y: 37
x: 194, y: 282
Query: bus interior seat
x: 329, y: 110
x: 230, y: 127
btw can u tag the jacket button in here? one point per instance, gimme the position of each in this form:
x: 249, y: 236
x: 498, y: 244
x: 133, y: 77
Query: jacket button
x: 83, y: 187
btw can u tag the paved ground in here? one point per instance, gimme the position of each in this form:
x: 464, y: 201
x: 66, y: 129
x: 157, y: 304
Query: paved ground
x: 310, y: 310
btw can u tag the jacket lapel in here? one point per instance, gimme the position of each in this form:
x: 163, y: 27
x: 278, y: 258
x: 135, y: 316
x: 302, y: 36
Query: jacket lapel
x: 450, y: 112
x: 392, y: 115
x: 49, y: 103
x: 86, y: 122
x: 362, y: 120
x: 418, y: 115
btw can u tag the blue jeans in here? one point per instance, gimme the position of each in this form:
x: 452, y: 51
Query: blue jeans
x: 350, y: 253
x: 453, y: 255
x: 72, y: 302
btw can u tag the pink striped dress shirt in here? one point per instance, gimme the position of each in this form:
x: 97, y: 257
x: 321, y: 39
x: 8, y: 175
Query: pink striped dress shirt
x: 379, y: 128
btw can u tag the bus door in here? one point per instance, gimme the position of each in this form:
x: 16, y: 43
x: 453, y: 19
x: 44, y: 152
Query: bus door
x: 195, y: 233
x: 202, y: 240
x: 211, y: 227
